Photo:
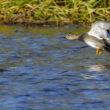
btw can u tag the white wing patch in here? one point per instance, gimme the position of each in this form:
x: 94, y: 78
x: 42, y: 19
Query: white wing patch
x: 99, y: 29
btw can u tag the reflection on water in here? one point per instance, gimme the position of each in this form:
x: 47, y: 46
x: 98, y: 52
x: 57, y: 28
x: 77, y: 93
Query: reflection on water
x: 95, y: 68
x: 40, y: 70
x: 98, y: 68
x: 87, y: 76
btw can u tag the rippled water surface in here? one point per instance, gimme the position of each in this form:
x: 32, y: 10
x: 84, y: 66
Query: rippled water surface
x: 41, y: 70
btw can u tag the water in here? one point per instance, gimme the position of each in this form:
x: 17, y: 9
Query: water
x: 40, y: 70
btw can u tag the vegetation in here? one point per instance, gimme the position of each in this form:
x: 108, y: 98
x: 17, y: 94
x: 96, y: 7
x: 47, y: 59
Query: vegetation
x: 57, y: 12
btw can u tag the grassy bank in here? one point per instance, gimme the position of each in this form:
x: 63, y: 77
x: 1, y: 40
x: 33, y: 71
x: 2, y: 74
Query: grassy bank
x: 57, y: 12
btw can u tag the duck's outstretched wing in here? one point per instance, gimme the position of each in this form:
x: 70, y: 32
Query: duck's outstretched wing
x: 100, y: 29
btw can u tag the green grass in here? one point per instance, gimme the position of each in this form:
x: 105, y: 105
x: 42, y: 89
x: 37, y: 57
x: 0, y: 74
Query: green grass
x: 57, y: 12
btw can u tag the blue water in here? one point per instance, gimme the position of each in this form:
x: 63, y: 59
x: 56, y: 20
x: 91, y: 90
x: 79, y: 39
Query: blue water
x: 41, y: 70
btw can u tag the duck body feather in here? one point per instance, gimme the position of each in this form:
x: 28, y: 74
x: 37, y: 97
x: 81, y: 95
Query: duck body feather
x: 91, y: 40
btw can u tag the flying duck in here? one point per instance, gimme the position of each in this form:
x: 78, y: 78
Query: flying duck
x: 98, y: 37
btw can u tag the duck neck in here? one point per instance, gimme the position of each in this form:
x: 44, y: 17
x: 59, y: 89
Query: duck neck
x: 82, y: 36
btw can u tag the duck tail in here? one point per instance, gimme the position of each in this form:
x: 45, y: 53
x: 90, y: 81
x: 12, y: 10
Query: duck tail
x: 107, y: 45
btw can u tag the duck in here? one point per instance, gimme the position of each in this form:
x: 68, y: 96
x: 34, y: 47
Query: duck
x: 98, y: 36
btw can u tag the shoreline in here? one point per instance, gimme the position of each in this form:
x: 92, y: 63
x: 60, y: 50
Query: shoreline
x: 53, y: 12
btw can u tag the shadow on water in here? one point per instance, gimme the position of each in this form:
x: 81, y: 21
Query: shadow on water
x: 41, y: 70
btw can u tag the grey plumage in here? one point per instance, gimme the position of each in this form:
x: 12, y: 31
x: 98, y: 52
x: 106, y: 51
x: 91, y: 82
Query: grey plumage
x: 91, y: 40
x: 96, y: 37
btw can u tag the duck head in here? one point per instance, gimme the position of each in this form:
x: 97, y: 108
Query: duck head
x: 72, y: 37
